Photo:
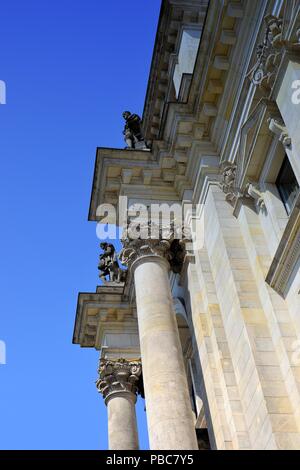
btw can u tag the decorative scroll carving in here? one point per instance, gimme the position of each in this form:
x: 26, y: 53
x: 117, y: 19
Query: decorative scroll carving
x: 270, y: 51
x: 109, y: 266
x: 119, y: 376
x: 276, y: 125
x: 269, y: 54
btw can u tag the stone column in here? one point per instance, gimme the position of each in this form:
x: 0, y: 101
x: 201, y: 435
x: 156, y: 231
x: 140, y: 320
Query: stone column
x: 118, y: 384
x: 169, y: 413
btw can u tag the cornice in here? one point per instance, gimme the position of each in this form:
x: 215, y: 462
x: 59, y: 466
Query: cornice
x: 171, y: 167
x: 109, y: 308
x: 173, y: 15
x: 200, y: 128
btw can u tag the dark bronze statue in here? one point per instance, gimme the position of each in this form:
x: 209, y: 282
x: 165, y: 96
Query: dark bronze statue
x: 133, y: 135
x: 108, y: 264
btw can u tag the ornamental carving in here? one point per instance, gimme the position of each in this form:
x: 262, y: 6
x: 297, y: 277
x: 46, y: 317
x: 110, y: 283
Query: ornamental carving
x: 227, y: 183
x: 233, y: 193
x: 269, y: 54
x: 270, y: 51
x: 169, y: 243
x: 119, y: 376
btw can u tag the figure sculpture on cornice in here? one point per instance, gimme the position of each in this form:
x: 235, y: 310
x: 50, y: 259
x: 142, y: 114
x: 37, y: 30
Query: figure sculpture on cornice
x: 108, y: 264
x: 133, y: 135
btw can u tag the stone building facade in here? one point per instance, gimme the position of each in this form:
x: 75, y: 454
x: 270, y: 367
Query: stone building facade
x: 208, y: 332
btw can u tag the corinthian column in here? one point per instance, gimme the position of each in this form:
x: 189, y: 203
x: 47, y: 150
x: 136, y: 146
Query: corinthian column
x: 169, y: 412
x: 118, y: 385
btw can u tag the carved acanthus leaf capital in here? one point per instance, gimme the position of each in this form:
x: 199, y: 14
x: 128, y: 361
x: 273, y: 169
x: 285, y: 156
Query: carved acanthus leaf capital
x: 167, y: 242
x: 118, y: 376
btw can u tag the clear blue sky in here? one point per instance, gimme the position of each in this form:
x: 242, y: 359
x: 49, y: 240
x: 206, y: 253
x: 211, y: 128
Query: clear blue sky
x: 71, y: 67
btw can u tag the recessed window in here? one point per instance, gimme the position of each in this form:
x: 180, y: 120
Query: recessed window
x: 287, y: 185
x: 187, y: 55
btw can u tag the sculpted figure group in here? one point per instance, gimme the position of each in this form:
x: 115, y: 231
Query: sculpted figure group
x: 108, y: 264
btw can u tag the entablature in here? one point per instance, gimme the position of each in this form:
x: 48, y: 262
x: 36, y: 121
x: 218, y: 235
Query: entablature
x: 171, y: 167
x: 134, y: 174
x: 107, y: 319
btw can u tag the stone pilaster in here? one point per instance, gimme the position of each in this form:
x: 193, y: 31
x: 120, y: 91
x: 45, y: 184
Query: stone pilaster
x: 118, y: 383
x: 169, y: 413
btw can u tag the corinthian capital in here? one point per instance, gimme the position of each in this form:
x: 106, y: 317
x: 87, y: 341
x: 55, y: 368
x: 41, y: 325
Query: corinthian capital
x: 120, y: 376
x: 135, y: 249
x: 161, y: 242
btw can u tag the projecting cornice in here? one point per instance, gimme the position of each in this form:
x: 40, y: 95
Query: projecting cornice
x: 174, y: 15
x: 205, y: 113
x: 104, y: 319
x: 193, y: 134
x: 184, y: 148
x: 134, y: 174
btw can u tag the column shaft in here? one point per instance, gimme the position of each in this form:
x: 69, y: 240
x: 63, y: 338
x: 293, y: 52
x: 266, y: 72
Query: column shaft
x: 122, y: 427
x: 169, y: 413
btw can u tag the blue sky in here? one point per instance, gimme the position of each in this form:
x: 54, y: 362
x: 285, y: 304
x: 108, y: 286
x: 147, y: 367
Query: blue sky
x: 71, y: 67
